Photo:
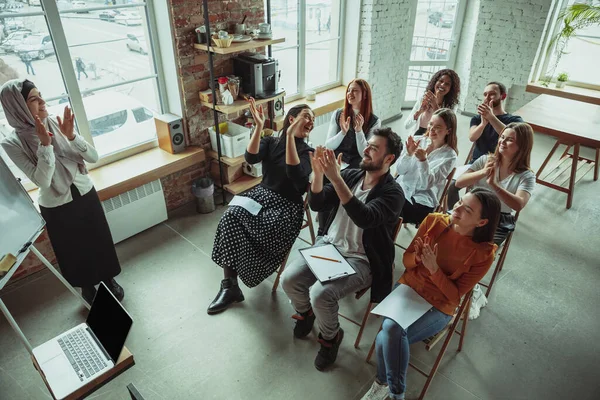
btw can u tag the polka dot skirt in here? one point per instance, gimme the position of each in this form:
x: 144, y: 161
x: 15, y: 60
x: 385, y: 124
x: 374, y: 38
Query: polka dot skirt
x: 255, y: 246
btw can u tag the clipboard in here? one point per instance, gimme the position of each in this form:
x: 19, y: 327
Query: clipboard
x: 326, y: 270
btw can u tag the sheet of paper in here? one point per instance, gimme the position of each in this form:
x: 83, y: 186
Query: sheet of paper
x: 403, y: 305
x: 246, y: 203
x: 461, y: 170
x: 326, y: 270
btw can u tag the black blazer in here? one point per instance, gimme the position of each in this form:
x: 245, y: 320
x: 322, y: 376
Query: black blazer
x: 378, y: 217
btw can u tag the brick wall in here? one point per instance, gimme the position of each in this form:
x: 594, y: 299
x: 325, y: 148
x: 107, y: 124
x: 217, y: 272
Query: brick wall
x: 384, y: 46
x: 192, y: 64
x: 502, y: 47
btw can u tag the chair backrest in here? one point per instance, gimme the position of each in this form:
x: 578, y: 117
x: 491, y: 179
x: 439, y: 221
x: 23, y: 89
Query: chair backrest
x: 442, y: 200
x: 470, y: 155
x: 397, y: 229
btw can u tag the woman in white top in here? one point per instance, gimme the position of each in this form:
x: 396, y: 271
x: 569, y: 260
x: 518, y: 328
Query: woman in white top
x: 52, y: 155
x: 507, y: 173
x: 425, y: 164
x: 442, y: 91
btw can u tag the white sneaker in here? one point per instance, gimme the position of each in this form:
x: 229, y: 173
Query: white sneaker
x: 478, y: 301
x: 376, y: 392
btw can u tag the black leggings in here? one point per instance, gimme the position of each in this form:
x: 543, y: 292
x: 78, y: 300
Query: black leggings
x: 414, y: 213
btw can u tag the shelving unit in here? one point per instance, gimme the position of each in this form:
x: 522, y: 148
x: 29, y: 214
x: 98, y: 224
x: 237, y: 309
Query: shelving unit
x: 237, y: 47
x: 245, y: 182
x: 238, y: 105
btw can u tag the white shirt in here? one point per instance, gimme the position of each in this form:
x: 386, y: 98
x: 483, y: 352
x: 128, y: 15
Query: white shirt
x: 41, y: 174
x: 345, y: 234
x: 514, y: 182
x: 424, y: 181
x: 335, y: 137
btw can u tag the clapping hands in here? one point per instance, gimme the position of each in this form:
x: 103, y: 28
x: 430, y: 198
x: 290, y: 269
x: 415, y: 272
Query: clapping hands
x: 425, y: 254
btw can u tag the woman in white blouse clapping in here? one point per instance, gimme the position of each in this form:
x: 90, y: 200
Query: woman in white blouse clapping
x: 425, y: 164
x: 52, y: 155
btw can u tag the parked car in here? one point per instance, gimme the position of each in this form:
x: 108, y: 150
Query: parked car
x: 36, y: 45
x: 437, y: 53
x: 79, y: 4
x: 14, y: 39
x: 108, y: 15
x: 138, y: 44
x: 116, y: 120
x: 128, y: 18
x: 11, y: 24
x: 439, y: 18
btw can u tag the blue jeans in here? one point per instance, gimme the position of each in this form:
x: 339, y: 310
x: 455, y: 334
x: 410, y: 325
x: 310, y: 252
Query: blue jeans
x: 393, y: 348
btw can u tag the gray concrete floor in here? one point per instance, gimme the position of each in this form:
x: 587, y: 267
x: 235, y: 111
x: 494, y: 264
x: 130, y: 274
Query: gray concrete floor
x: 535, y: 340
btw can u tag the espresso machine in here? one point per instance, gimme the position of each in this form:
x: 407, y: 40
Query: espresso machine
x: 260, y: 74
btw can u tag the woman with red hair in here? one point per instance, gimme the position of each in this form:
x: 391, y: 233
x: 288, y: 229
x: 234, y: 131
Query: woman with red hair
x: 350, y: 129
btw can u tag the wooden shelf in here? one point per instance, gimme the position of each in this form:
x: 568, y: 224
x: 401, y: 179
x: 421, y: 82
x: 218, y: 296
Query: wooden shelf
x: 585, y: 95
x: 246, y: 182
x: 325, y: 102
x: 237, y: 47
x: 238, y: 105
x: 232, y: 162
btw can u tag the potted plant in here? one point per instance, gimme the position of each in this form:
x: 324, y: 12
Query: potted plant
x: 561, y: 80
x: 574, y: 18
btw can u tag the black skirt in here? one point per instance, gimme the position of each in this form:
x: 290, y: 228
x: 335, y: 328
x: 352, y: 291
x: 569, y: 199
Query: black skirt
x: 81, y: 239
x: 255, y: 246
x: 505, y: 226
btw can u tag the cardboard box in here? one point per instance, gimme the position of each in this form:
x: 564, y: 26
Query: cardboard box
x: 206, y: 95
x: 230, y: 174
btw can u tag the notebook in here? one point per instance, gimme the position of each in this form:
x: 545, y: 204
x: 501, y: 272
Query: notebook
x: 327, y: 263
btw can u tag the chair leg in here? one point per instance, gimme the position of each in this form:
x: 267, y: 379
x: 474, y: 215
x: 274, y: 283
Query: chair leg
x: 372, y: 350
x: 311, y: 228
x: 596, y: 164
x: 280, y: 271
x: 438, y: 360
x: 362, y: 325
x: 463, y: 331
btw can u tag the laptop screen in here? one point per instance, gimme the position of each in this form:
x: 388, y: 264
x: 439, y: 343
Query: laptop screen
x: 109, y: 321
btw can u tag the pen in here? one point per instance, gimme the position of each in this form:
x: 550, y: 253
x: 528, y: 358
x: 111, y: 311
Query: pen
x: 325, y: 258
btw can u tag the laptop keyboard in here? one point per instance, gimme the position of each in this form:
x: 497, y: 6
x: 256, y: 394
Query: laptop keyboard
x: 82, y: 355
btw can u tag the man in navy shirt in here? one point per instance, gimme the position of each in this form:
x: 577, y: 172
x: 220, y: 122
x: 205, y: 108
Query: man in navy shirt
x: 486, y: 127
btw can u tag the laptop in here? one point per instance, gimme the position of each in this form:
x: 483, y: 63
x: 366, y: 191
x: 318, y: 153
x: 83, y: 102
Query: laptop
x: 81, y: 354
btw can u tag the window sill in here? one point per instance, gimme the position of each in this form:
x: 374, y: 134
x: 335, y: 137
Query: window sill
x: 568, y: 92
x: 121, y: 176
x: 325, y: 102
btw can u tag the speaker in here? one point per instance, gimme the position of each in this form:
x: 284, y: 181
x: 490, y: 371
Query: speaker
x: 278, y: 106
x: 169, y: 129
x: 253, y: 169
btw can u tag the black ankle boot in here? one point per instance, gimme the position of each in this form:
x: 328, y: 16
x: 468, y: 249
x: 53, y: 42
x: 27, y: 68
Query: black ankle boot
x: 88, y: 293
x: 329, y: 350
x: 115, y: 288
x: 304, y: 323
x: 229, y: 293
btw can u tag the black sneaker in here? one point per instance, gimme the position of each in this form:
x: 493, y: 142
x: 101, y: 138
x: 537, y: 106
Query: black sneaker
x: 329, y: 350
x: 229, y: 293
x: 304, y: 323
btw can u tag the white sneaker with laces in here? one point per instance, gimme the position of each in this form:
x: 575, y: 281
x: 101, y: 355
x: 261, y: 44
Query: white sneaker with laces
x: 376, y: 392
x: 478, y: 301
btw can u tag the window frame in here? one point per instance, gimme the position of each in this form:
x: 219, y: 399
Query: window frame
x: 52, y: 15
x: 301, y: 52
x: 545, y: 54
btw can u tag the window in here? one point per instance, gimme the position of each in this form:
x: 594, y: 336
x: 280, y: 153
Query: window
x: 96, y: 57
x: 309, y: 59
x: 435, y: 36
x: 584, y: 45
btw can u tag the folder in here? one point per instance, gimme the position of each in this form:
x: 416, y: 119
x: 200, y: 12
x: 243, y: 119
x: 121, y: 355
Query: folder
x: 326, y: 270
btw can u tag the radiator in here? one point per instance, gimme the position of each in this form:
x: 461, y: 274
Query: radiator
x: 136, y: 210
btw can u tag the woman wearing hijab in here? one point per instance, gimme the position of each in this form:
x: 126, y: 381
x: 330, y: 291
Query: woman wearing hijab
x: 52, y: 155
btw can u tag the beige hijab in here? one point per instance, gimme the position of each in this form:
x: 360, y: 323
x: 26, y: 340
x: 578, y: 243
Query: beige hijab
x: 68, y: 161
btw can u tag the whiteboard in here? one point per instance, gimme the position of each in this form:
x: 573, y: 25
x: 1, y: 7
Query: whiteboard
x: 20, y: 221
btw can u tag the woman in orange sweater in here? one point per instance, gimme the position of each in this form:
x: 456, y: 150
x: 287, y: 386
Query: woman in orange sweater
x: 445, y: 260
